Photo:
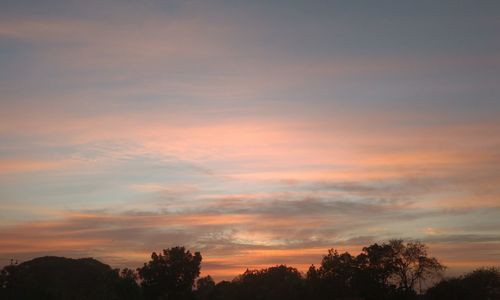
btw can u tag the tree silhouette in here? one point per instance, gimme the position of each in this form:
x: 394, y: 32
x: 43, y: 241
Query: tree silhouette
x: 481, y: 284
x: 170, y: 275
x: 375, y: 263
x: 204, y: 287
x: 337, y: 273
x: 386, y: 271
x: 381, y: 271
x: 411, y: 265
x: 127, y: 287
x: 7, y: 276
x: 279, y: 282
x: 314, y: 284
x: 223, y: 290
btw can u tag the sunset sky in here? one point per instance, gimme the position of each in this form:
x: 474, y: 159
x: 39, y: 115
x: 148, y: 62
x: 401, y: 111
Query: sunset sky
x: 256, y: 132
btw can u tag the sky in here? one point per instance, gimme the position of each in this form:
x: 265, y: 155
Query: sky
x: 256, y: 132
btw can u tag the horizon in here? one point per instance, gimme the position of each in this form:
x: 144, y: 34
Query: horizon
x: 258, y: 133
x: 302, y: 268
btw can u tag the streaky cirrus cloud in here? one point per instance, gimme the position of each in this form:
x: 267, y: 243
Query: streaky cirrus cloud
x: 258, y: 133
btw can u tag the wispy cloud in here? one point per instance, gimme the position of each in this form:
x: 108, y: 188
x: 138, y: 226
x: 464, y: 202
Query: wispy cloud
x: 257, y: 139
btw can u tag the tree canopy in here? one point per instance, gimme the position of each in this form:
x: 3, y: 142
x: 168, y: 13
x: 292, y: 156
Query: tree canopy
x: 481, y: 284
x: 170, y: 275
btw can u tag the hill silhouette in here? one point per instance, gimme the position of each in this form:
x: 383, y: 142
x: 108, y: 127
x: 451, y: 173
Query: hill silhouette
x: 53, y: 277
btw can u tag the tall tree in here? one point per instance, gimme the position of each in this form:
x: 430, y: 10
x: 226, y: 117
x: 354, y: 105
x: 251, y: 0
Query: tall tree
x: 337, y: 272
x: 411, y: 265
x: 374, y: 270
x: 395, y: 269
x: 170, y: 275
x: 314, y: 283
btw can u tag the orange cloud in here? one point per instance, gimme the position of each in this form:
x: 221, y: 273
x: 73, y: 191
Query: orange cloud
x: 8, y: 166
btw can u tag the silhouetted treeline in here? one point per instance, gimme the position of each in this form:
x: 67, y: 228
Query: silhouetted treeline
x: 387, y: 271
x: 479, y: 284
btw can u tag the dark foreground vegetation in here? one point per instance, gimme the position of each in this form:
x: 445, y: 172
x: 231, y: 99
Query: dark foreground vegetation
x: 393, y: 270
